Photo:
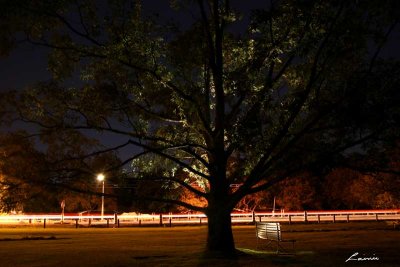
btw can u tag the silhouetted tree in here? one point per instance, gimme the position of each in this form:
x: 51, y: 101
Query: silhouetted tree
x: 284, y: 89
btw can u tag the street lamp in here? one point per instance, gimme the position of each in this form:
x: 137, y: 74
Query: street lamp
x: 100, y: 178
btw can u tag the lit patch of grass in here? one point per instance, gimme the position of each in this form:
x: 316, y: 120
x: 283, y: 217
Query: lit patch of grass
x: 256, y: 252
x: 266, y: 252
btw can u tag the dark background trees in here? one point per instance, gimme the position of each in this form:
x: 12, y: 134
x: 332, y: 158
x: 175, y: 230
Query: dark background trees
x: 21, y: 178
x: 37, y: 181
x: 228, y: 98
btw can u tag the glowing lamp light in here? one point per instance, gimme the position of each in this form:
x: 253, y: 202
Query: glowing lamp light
x: 100, y: 177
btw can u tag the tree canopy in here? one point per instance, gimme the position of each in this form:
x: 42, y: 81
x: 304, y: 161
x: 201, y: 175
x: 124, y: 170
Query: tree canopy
x: 227, y: 98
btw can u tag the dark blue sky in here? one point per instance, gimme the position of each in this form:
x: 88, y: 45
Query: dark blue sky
x: 28, y: 63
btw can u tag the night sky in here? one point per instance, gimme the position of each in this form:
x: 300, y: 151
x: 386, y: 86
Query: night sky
x: 28, y: 63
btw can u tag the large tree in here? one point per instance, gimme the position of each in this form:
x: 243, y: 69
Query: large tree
x: 228, y: 97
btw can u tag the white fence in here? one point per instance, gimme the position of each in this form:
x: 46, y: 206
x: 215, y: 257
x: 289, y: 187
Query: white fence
x: 186, y: 219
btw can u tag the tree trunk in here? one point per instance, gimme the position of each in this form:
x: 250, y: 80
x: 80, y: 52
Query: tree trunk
x: 220, y: 241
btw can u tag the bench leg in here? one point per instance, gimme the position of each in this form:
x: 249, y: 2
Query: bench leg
x: 286, y: 250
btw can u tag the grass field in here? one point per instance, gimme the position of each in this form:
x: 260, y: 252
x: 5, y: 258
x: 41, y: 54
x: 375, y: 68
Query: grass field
x: 317, y: 245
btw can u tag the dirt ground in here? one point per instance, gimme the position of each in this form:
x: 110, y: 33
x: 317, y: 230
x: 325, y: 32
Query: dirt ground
x: 377, y: 244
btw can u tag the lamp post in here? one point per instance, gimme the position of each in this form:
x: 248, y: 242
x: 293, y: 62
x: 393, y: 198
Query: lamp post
x: 273, y: 209
x: 100, y: 178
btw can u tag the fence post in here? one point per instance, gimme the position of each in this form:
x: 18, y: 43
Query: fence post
x: 108, y: 223
x: 161, y: 219
x: 305, y: 216
x: 115, y: 218
x: 348, y: 217
x: 253, y: 217
x: 376, y: 216
x: 170, y: 221
x: 44, y: 223
x: 118, y: 223
x: 76, y: 223
x: 200, y: 221
x: 90, y: 222
x: 290, y: 219
x: 334, y: 218
x: 319, y: 218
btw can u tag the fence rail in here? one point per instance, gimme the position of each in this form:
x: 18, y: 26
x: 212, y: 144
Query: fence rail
x: 179, y: 219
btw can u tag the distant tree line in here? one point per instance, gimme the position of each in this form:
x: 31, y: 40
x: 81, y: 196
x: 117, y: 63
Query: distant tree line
x: 25, y: 173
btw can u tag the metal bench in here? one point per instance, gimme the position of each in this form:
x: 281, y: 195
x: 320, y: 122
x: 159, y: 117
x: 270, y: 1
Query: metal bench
x: 271, y: 233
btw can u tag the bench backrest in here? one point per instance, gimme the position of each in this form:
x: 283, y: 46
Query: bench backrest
x: 270, y: 231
